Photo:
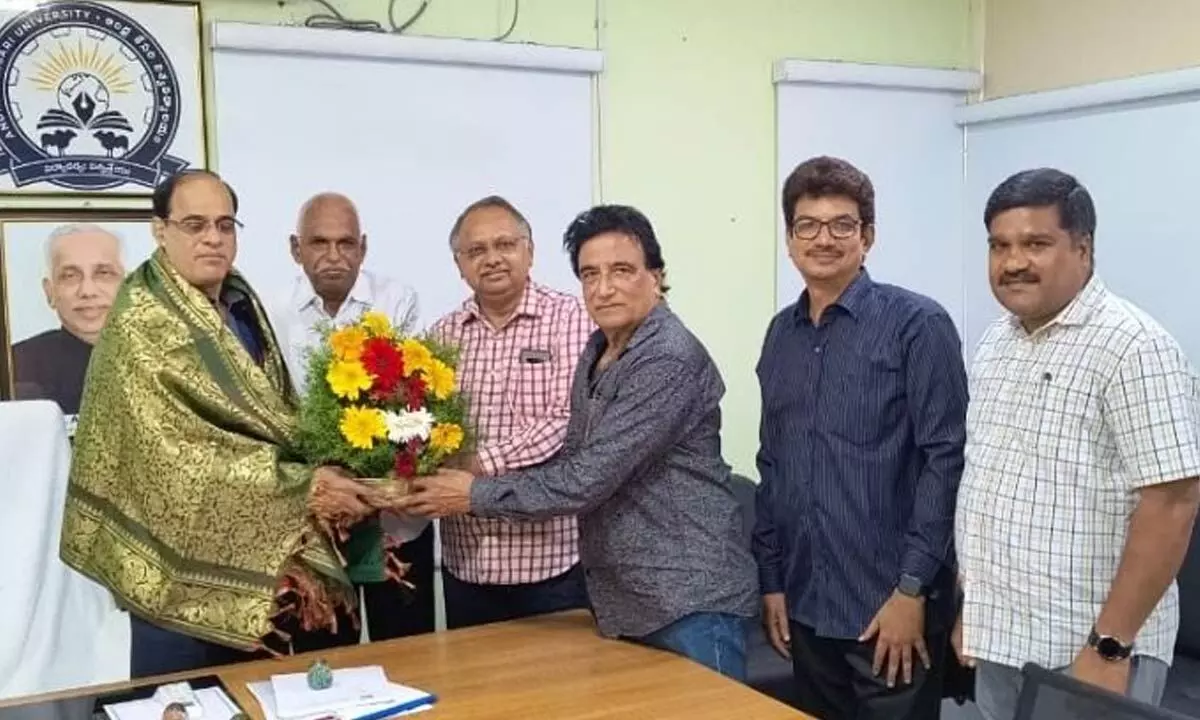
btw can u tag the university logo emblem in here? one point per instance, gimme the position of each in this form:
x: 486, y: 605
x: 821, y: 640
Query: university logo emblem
x: 89, y: 100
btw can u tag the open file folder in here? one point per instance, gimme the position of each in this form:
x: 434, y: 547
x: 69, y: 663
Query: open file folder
x: 356, y: 694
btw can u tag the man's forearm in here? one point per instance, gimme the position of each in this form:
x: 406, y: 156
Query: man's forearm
x: 1159, y: 533
x: 532, y: 444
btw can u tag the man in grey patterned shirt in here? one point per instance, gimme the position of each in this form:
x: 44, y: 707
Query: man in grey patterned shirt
x: 660, y: 536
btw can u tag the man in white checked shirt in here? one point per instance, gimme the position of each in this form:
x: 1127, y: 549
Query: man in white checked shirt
x: 1080, y: 487
x: 520, y: 343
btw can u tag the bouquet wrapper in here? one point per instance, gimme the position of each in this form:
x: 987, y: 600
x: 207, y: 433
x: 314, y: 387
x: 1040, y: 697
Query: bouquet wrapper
x: 368, y: 549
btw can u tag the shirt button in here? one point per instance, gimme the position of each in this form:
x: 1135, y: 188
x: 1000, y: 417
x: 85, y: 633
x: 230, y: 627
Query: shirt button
x: 817, y: 349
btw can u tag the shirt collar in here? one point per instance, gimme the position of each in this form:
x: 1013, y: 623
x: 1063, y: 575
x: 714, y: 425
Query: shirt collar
x: 1077, y: 312
x: 650, y: 325
x: 527, y: 307
x: 306, y: 296
x: 851, y: 300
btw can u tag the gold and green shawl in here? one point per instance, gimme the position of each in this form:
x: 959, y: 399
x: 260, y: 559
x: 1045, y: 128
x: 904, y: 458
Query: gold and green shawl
x: 185, y: 499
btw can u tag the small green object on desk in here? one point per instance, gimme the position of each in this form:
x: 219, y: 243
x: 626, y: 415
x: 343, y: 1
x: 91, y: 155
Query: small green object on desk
x: 320, y: 676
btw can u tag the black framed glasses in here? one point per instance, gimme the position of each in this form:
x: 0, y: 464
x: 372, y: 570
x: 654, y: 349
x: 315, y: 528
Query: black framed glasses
x: 842, y: 227
x: 200, y: 226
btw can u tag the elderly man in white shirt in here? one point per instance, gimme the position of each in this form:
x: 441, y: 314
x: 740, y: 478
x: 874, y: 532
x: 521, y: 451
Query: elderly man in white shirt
x: 1083, y: 450
x: 330, y: 247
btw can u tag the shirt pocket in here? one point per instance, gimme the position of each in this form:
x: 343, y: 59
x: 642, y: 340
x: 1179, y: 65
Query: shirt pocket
x: 866, y: 402
x: 531, y: 388
x: 1065, y: 431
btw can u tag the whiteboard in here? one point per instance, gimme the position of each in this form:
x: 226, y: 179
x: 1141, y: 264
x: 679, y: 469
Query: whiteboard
x: 413, y: 130
x: 1138, y: 157
x: 898, y: 126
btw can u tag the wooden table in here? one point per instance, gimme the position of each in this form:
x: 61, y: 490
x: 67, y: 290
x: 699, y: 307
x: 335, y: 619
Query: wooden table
x: 545, y: 668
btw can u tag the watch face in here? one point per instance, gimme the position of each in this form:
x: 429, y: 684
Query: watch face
x: 1110, y: 648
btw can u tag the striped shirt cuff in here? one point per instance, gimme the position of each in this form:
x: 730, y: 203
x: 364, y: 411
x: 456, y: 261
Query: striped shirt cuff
x: 921, y: 566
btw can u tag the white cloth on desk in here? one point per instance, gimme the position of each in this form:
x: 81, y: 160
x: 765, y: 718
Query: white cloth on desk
x: 58, y: 629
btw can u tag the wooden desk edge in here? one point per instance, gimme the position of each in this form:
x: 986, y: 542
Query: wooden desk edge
x: 235, y: 677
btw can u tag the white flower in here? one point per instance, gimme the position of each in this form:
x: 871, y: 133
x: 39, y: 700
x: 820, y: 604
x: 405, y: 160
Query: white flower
x: 404, y: 425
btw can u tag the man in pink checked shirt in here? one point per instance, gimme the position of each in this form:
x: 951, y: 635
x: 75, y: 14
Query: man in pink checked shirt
x: 519, y: 344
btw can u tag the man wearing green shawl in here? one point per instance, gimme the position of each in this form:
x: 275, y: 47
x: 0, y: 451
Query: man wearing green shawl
x: 185, y: 498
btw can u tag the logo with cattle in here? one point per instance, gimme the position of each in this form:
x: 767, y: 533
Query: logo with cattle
x: 89, y: 100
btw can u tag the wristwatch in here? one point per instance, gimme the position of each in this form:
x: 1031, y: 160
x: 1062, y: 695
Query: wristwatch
x: 1108, y: 647
x: 911, y: 586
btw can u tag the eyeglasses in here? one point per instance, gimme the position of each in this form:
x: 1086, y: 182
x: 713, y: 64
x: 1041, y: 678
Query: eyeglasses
x: 198, y: 227
x: 842, y: 227
x: 503, y: 245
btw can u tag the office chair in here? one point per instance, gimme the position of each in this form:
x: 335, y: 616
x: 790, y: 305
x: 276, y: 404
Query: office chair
x: 1049, y: 695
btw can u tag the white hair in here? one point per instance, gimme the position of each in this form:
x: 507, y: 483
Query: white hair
x: 63, y: 231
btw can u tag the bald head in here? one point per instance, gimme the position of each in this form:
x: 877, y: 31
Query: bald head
x: 83, y: 272
x: 330, y: 245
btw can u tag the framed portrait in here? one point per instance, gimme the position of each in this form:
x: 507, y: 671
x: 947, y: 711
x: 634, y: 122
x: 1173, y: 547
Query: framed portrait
x: 60, y: 275
x: 99, y: 97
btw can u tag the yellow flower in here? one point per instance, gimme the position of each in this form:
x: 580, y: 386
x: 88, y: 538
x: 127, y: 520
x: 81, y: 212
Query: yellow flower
x: 348, y: 378
x: 441, y: 379
x: 363, y: 426
x: 446, y: 437
x: 417, y: 357
x: 347, y: 343
x: 376, y: 323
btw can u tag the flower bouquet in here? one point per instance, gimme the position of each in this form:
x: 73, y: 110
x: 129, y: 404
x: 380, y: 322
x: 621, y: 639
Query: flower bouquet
x: 385, y: 408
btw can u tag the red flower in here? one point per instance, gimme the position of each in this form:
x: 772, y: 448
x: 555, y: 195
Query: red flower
x: 385, y: 364
x: 415, y: 393
x: 406, y: 464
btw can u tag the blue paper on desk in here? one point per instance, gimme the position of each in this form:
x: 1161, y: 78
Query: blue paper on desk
x: 362, y: 693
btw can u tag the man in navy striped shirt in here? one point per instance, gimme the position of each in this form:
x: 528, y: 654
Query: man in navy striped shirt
x: 864, y: 398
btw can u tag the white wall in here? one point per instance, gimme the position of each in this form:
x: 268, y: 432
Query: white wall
x: 897, y: 125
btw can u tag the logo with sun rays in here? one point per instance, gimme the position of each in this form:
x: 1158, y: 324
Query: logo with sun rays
x: 89, y: 100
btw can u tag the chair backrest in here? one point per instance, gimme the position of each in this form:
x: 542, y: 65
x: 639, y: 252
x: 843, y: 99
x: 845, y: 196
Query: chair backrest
x: 1049, y: 695
x: 745, y: 490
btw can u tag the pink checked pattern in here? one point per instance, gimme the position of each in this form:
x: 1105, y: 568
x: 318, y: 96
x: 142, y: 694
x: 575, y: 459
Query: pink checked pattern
x: 518, y: 379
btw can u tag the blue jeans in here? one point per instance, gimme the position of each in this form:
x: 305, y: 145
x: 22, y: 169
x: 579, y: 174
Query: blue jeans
x: 715, y: 640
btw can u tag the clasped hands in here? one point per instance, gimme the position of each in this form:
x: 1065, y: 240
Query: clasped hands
x: 339, y: 500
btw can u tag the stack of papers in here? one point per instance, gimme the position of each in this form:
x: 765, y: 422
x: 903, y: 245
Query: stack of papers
x: 214, y: 705
x: 362, y: 693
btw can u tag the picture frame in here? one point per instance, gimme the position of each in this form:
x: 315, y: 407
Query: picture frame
x: 59, y: 272
x: 100, y: 99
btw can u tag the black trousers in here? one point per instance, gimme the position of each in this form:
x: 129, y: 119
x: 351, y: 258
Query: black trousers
x: 473, y: 604
x: 834, y: 680
x: 394, y: 611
